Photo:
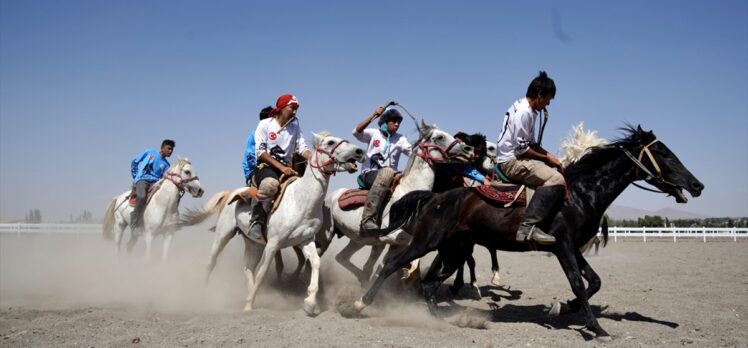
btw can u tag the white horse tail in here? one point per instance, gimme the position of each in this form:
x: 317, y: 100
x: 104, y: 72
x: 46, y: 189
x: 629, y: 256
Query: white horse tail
x: 214, y: 205
x: 108, y: 225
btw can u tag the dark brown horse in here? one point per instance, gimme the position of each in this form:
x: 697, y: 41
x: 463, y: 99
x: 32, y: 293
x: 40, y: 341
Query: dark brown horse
x: 452, y: 222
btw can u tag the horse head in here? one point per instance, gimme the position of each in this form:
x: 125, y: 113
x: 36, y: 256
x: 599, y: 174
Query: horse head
x: 659, y: 166
x: 435, y: 145
x: 333, y: 154
x: 489, y: 159
x: 183, y: 175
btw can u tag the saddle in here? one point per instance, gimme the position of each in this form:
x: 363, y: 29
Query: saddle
x: 246, y: 195
x: 132, y: 198
x: 508, y: 195
x: 354, y: 198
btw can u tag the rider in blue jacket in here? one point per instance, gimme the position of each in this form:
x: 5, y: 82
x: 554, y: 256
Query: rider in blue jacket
x: 250, y: 157
x: 147, y: 168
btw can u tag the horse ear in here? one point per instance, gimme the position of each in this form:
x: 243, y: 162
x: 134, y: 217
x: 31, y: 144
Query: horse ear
x: 317, y: 138
x: 639, y: 130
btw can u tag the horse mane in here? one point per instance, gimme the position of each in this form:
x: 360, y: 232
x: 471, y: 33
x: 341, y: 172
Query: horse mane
x: 579, y: 143
x: 592, y: 158
x: 426, y: 131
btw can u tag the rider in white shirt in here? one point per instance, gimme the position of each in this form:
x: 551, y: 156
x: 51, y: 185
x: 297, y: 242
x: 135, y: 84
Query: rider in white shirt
x: 277, y: 138
x: 385, y: 145
x: 522, y: 159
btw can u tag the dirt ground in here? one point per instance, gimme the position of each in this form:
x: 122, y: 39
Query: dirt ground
x: 68, y: 291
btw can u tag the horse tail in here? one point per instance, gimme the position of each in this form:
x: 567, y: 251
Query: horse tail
x: 214, y: 205
x: 604, y: 229
x: 108, y: 224
x: 406, y: 208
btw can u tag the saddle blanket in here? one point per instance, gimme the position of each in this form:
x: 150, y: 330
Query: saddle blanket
x: 352, y: 199
x: 503, y: 194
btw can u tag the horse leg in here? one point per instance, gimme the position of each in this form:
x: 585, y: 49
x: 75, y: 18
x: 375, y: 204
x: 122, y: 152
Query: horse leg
x: 310, y: 252
x: 473, y: 279
x: 301, y: 261
x: 119, y: 232
x: 279, y: 264
x: 223, y: 236
x: 459, y: 277
x: 270, y: 248
x: 131, y: 242
x: 495, y: 280
x: 376, y: 251
x: 391, y: 265
x: 344, y: 259
x: 594, y: 285
x: 167, y: 242
x: 148, y: 236
x: 568, y: 260
x: 445, y: 264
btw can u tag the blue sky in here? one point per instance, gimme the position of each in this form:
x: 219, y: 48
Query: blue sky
x: 85, y: 85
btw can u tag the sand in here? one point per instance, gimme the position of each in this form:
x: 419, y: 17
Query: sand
x: 68, y: 291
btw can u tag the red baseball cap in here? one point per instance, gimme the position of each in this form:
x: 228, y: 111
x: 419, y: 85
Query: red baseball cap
x: 283, y: 101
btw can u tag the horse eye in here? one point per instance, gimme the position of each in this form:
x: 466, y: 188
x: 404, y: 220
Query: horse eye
x: 331, y: 143
x: 187, y: 172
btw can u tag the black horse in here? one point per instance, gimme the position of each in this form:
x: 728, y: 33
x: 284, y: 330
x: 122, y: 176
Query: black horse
x: 452, y: 222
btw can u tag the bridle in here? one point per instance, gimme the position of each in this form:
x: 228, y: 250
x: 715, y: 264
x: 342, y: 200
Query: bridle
x: 180, y: 183
x: 639, y: 165
x: 331, y: 158
x: 425, y: 152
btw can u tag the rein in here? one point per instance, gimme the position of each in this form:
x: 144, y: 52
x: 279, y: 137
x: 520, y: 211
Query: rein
x: 179, y: 184
x: 331, y: 159
x: 639, y: 165
x: 431, y: 160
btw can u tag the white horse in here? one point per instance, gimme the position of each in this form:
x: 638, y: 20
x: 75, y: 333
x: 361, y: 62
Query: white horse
x: 160, y: 215
x: 295, y: 222
x: 434, y: 146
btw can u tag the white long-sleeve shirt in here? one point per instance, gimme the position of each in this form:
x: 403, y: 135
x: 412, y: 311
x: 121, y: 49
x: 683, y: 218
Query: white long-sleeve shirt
x: 279, y: 142
x: 518, y: 131
x: 382, y: 152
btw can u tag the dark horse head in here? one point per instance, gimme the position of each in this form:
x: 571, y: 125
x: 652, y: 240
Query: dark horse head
x: 453, y: 221
x: 639, y: 155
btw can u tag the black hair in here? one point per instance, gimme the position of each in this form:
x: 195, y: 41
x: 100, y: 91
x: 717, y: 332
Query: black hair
x: 541, y: 86
x: 168, y: 142
x: 265, y: 112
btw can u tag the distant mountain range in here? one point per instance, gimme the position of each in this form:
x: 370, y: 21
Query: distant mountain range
x: 628, y: 213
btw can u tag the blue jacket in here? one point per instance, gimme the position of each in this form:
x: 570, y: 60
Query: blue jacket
x: 250, y: 158
x: 149, y: 166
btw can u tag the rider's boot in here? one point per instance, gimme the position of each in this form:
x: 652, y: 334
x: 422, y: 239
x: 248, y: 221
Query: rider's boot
x: 257, y: 223
x: 543, y: 202
x: 373, y: 208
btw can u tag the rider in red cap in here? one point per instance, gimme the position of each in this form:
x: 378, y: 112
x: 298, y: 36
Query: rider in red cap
x: 277, y: 138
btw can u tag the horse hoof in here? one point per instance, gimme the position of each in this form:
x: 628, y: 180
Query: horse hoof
x: 247, y: 308
x: 604, y: 338
x: 359, y: 305
x: 496, y: 279
x: 555, y: 309
x: 309, y: 308
x: 476, y: 292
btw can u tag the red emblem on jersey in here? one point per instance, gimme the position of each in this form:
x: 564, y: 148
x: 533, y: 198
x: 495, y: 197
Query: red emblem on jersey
x: 376, y: 143
x: 151, y: 157
x: 273, y: 136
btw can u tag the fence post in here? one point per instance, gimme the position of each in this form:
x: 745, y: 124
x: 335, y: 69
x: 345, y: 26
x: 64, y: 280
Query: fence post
x: 703, y: 233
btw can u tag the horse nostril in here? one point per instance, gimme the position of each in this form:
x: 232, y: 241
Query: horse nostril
x: 697, y: 186
x: 359, y: 152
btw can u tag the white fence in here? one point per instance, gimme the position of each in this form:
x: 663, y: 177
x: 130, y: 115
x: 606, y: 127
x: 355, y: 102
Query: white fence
x: 644, y: 233
x: 49, y: 228
x: 705, y: 233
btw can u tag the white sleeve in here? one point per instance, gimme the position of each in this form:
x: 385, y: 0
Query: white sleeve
x: 301, y: 144
x: 523, y: 132
x: 406, y: 146
x: 261, y: 140
x: 365, y: 136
